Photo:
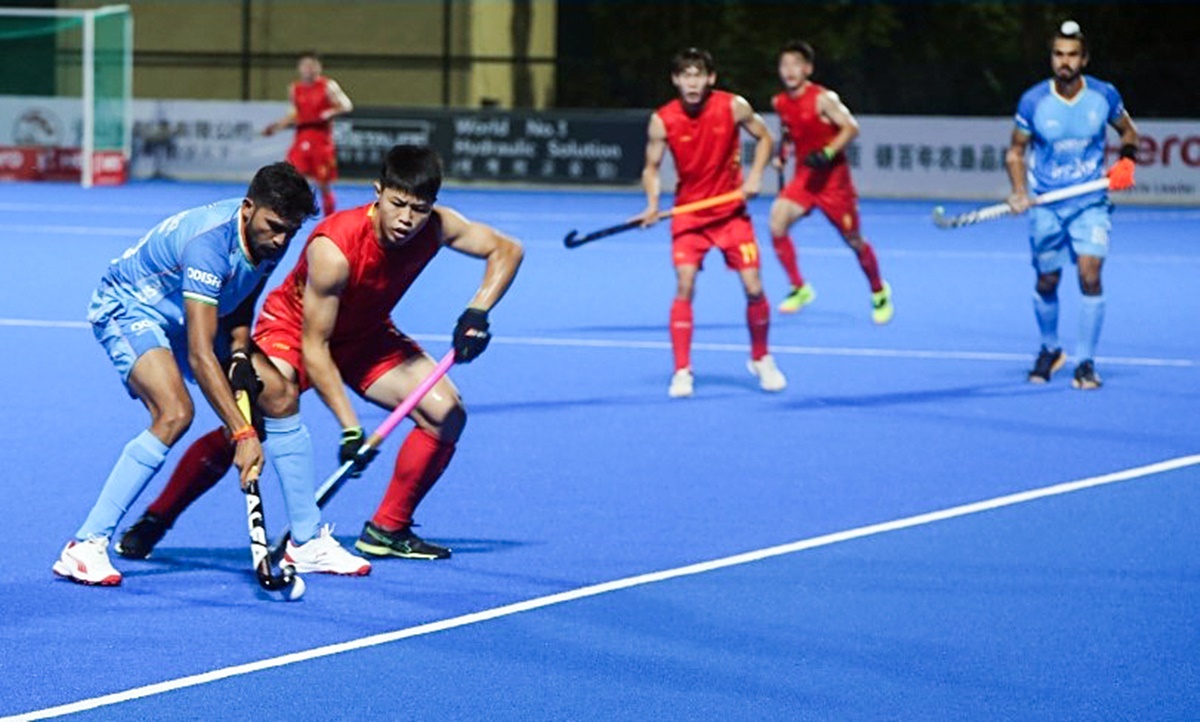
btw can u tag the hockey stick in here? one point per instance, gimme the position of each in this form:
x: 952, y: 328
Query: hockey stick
x: 574, y: 240
x: 288, y: 583
x: 999, y: 210
x: 338, y: 478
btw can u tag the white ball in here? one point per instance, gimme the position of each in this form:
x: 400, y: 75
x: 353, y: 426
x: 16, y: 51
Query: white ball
x: 1070, y: 27
x: 294, y: 592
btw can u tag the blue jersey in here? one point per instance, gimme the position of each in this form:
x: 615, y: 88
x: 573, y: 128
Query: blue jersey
x: 198, y: 254
x: 1067, y: 136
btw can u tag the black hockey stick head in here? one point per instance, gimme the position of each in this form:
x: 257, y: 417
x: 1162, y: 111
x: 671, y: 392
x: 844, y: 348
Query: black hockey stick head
x: 569, y: 240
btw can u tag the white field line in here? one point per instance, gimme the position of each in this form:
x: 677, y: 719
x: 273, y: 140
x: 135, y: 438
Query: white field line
x: 612, y: 586
x: 949, y: 355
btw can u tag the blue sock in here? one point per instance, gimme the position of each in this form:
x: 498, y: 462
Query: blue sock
x: 289, y: 446
x: 140, y: 460
x: 1045, y: 308
x: 1091, y: 319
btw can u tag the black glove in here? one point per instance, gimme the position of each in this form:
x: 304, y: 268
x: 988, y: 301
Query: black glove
x: 242, y: 377
x: 352, y: 440
x: 821, y: 158
x: 470, y: 335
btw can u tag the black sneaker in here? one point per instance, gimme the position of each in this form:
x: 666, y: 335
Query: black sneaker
x: 1086, y: 376
x: 138, y: 540
x: 404, y: 544
x: 1047, y: 363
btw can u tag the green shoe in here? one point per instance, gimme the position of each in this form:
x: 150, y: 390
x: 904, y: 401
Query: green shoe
x: 882, y: 310
x: 800, y: 297
x: 403, y: 543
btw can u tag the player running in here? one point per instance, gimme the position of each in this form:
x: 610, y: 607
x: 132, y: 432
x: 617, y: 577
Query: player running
x: 818, y: 127
x: 1061, y: 126
x: 316, y: 100
x: 701, y: 128
x: 329, y: 325
x: 157, y: 312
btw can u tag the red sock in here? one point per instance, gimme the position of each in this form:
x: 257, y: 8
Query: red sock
x: 681, y: 333
x: 758, y: 318
x: 203, y: 464
x: 422, y: 459
x: 870, y: 266
x: 786, y: 250
x: 328, y: 205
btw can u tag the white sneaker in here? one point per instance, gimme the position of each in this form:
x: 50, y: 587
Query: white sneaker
x: 325, y: 556
x: 682, y: 384
x: 86, y: 562
x: 770, y: 378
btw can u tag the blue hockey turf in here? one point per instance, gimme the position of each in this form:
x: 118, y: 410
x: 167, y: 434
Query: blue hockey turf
x: 908, y: 531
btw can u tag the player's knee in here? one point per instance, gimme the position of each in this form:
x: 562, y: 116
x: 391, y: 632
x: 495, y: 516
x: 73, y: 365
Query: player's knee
x: 1047, y: 285
x: 1090, y: 285
x: 280, y: 400
x: 173, y: 420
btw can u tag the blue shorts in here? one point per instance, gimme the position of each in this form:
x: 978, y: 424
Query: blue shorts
x: 128, y: 330
x: 1086, y: 228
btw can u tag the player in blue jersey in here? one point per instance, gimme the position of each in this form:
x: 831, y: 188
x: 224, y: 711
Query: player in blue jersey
x: 1059, y: 142
x: 164, y: 310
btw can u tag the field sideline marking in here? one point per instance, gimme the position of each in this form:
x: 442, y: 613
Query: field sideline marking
x: 612, y: 586
x: 725, y: 347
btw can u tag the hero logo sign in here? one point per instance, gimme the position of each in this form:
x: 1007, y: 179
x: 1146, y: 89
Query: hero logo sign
x: 211, y: 280
x: 1165, y: 152
x: 37, y: 126
x: 12, y: 159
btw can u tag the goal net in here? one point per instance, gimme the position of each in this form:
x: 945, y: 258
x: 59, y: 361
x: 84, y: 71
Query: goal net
x: 66, y: 101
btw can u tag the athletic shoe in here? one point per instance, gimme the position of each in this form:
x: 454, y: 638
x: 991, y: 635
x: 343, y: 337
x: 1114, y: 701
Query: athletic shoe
x: 86, y: 562
x: 682, y: 384
x: 770, y: 378
x: 1086, y: 377
x: 138, y: 540
x: 1047, y: 363
x: 800, y: 297
x: 403, y: 543
x: 324, y: 555
x: 882, y: 309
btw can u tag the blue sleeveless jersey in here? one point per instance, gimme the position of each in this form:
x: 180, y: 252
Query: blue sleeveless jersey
x: 1067, y: 136
x: 198, y: 254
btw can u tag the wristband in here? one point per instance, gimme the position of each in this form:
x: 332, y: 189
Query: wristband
x: 1130, y: 151
x: 246, y: 432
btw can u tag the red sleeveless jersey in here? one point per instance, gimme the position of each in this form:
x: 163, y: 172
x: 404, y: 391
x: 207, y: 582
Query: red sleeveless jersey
x: 311, y: 100
x: 803, y: 122
x: 379, y: 277
x: 707, y: 152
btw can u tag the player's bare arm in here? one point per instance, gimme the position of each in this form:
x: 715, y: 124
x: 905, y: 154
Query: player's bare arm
x: 753, y: 124
x: 338, y: 99
x: 1126, y: 127
x: 286, y: 121
x: 656, y: 148
x: 201, y: 323
x: 328, y: 274
x: 1014, y: 162
x: 502, y: 253
x: 831, y: 108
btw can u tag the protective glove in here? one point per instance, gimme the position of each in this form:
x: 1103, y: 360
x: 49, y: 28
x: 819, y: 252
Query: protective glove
x: 243, y: 377
x: 471, y: 335
x: 822, y: 158
x: 352, y: 440
x: 1120, y: 176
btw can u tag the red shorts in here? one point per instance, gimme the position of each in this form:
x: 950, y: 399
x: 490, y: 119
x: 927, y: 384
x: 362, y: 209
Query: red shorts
x: 734, y: 236
x: 830, y: 190
x: 360, y: 362
x: 315, y: 157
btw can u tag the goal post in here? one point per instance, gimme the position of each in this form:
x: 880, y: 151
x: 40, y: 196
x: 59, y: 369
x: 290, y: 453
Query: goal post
x: 66, y: 113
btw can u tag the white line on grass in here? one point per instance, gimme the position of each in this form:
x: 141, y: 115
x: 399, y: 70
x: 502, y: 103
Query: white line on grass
x: 948, y: 355
x: 612, y: 586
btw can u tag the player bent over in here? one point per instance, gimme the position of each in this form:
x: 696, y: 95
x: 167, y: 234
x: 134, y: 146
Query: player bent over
x: 818, y: 126
x: 1060, y: 124
x: 329, y: 325
x: 701, y: 128
x: 157, y: 313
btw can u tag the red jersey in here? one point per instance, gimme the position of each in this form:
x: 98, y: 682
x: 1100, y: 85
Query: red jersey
x: 708, y: 155
x: 804, y: 124
x: 311, y: 100
x: 379, y: 277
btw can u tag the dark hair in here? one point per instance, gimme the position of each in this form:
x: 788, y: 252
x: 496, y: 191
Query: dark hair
x: 797, y: 46
x: 414, y: 169
x: 281, y: 188
x: 309, y: 54
x: 689, y: 57
x: 1070, y: 30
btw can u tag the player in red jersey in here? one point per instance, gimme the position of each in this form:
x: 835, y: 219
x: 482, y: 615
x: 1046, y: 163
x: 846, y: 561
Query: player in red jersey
x: 329, y: 325
x: 818, y: 126
x: 316, y: 100
x: 701, y: 128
